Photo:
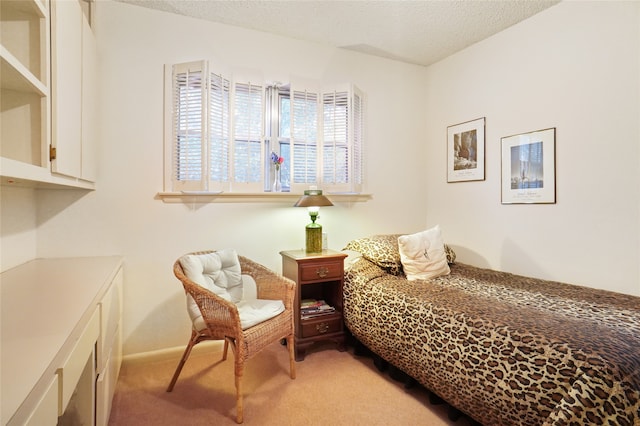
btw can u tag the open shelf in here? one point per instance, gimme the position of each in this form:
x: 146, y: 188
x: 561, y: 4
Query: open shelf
x: 24, y: 87
x: 15, y: 76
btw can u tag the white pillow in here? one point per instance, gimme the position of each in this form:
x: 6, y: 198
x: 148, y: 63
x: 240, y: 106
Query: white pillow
x: 422, y: 254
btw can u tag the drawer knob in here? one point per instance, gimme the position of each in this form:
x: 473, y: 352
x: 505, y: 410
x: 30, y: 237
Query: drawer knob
x: 322, y: 272
x: 323, y: 327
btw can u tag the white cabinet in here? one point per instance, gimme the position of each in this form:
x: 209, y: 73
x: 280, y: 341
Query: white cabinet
x: 109, y: 349
x: 73, y: 60
x: 66, y: 86
x: 61, y: 344
x: 29, y: 101
x: 45, y: 412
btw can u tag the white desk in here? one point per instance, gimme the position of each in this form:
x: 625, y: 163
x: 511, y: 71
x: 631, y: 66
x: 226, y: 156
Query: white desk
x: 45, y: 305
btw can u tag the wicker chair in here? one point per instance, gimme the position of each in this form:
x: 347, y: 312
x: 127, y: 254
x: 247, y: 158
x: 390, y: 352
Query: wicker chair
x: 223, y: 321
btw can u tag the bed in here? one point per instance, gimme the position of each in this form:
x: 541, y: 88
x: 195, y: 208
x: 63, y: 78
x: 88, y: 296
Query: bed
x: 502, y: 348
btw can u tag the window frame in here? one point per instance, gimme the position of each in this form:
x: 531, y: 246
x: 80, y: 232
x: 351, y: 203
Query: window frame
x: 271, y: 138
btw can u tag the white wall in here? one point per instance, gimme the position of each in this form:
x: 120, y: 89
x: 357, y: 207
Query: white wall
x: 575, y: 67
x: 123, y: 217
x: 17, y: 226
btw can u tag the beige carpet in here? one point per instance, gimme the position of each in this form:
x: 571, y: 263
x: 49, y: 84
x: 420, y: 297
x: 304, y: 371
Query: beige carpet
x: 331, y: 388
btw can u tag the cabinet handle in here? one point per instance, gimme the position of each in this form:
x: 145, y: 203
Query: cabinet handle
x: 323, y: 327
x: 322, y: 272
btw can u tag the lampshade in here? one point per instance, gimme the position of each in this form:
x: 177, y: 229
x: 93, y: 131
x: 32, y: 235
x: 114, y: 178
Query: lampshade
x: 313, y: 200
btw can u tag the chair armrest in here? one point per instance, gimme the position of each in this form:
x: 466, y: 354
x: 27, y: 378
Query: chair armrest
x: 219, y: 314
x: 270, y: 285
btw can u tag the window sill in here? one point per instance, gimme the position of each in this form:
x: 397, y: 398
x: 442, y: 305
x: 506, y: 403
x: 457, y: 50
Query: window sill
x: 260, y: 197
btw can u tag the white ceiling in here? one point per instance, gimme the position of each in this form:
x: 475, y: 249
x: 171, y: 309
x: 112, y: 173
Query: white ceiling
x: 415, y: 31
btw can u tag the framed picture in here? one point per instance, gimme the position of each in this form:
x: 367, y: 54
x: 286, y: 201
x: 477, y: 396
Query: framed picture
x: 465, y: 151
x: 529, y: 168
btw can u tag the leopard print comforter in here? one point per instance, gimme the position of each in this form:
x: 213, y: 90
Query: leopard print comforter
x: 504, y: 349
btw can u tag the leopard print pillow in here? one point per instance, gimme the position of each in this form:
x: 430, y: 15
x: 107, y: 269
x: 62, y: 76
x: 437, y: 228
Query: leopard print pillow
x: 383, y: 251
x: 451, y: 255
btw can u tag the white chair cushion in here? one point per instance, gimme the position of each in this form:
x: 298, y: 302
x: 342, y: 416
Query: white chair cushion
x: 221, y: 274
x: 218, y: 272
x: 255, y: 311
x: 249, y: 288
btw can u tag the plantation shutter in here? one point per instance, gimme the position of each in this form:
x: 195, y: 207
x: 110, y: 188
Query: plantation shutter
x: 219, y: 139
x: 215, y: 134
x: 342, y: 140
x: 335, y: 152
x: 248, y: 134
x: 188, y: 142
x: 304, y: 138
x: 357, y: 142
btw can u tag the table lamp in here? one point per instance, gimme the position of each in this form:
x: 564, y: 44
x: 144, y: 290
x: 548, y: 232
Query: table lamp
x: 313, y: 200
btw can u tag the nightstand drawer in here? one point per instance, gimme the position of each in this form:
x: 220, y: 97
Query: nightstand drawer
x: 333, y: 270
x: 319, y: 326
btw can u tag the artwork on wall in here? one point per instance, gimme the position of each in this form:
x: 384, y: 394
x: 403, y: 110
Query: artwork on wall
x: 529, y: 168
x: 465, y: 151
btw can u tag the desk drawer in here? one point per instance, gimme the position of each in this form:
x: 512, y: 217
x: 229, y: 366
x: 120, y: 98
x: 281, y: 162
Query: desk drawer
x: 72, y: 370
x: 325, y: 271
x: 321, y: 325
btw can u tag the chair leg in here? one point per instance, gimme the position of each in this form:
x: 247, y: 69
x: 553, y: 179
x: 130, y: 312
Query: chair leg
x: 292, y: 356
x: 224, y: 351
x: 239, y: 402
x: 195, y: 338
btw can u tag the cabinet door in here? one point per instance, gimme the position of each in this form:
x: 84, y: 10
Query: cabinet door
x: 109, y: 349
x: 105, y: 387
x: 89, y: 102
x: 46, y: 412
x: 107, y: 381
x: 66, y: 85
x: 111, y: 318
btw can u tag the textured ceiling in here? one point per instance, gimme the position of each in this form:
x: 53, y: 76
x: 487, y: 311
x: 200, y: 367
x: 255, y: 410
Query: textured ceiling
x: 415, y: 31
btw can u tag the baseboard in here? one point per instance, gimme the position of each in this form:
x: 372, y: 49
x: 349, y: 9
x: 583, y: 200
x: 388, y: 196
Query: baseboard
x: 172, y: 353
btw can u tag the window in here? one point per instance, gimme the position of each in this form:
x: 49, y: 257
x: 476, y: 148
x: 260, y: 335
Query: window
x: 296, y: 133
x: 304, y: 119
x: 218, y: 129
x: 220, y: 134
x: 248, y: 135
x: 188, y: 126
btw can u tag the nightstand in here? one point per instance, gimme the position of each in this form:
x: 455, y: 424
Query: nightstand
x: 318, y: 276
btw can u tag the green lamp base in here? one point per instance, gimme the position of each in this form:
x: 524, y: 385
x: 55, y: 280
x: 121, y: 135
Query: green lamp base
x: 313, y: 233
